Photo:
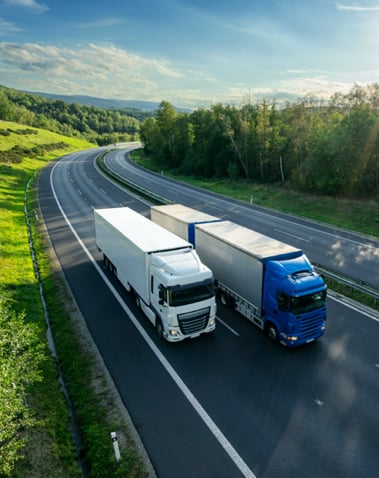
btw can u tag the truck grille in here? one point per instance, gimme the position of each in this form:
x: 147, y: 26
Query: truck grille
x: 310, y: 326
x: 193, y: 322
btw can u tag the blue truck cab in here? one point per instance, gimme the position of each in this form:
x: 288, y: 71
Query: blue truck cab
x: 293, y: 304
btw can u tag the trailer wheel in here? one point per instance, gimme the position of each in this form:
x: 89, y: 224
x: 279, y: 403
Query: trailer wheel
x: 159, y: 327
x: 138, y: 301
x: 272, y: 332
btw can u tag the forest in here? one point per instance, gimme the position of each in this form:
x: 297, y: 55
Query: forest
x: 97, y: 125
x: 329, y: 147
x: 323, y: 147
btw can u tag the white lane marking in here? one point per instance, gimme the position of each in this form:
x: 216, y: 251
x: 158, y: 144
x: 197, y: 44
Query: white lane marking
x: 349, y: 304
x: 228, y: 326
x: 220, y: 437
x: 337, y: 234
x: 291, y: 235
x: 79, y: 192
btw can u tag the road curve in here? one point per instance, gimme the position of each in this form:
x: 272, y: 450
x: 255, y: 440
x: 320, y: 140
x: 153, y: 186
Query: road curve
x: 332, y: 248
x: 273, y: 412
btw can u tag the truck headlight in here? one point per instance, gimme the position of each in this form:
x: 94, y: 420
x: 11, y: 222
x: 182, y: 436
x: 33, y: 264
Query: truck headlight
x: 212, y: 322
x: 292, y: 338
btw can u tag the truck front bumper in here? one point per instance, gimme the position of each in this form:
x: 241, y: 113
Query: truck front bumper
x: 297, y: 340
x: 175, y: 335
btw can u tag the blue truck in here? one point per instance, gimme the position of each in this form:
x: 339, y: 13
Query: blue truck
x: 271, y: 283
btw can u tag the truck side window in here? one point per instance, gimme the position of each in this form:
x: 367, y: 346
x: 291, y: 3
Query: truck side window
x: 282, y: 299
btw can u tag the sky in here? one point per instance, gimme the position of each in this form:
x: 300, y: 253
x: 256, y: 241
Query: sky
x: 191, y: 53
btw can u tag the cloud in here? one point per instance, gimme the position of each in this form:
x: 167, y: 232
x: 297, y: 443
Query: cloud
x: 102, y: 23
x: 7, y: 28
x: 321, y: 86
x: 358, y: 8
x: 30, y: 4
x: 93, y: 69
x: 294, y: 71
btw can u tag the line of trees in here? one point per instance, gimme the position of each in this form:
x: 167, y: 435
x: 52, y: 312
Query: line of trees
x: 321, y: 147
x: 97, y: 125
x: 326, y: 148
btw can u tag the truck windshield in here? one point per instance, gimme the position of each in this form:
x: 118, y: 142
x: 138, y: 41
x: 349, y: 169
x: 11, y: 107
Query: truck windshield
x: 188, y: 295
x: 307, y: 303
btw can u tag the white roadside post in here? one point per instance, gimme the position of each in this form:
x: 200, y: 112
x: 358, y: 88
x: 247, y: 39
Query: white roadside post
x: 115, y: 446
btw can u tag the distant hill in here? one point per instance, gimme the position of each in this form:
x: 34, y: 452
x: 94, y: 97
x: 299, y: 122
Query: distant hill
x: 96, y: 124
x: 106, y: 103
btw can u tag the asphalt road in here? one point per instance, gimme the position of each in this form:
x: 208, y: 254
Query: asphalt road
x: 338, y: 250
x: 230, y: 404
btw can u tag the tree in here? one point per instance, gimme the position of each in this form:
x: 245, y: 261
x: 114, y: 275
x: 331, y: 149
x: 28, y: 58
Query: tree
x: 235, y: 132
x: 324, y: 148
x: 151, y: 138
x: 166, y: 116
x: 184, y: 140
x: 6, y: 107
x: 357, y: 141
x: 263, y: 131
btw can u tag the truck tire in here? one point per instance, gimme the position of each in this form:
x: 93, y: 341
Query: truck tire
x: 138, y: 301
x: 226, y: 300
x: 272, y: 332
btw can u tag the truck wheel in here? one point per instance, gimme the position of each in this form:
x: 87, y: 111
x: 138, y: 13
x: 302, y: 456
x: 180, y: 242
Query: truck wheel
x: 227, y: 300
x: 138, y: 301
x: 159, y: 327
x: 224, y: 299
x: 272, y: 332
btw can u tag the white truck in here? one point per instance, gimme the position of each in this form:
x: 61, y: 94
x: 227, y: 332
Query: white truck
x: 271, y: 283
x: 163, y: 271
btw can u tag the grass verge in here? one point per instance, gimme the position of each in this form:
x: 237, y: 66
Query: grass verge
x: 50, y: 449
x: 356, y: 215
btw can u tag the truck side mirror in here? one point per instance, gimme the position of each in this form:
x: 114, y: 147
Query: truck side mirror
x: 161, y: 296
x: 282, y: 300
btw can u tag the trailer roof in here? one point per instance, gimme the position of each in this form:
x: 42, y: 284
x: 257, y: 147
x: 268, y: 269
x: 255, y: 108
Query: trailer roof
x: 147, y: 235
x: 185, y: 214
x: 256, y: 244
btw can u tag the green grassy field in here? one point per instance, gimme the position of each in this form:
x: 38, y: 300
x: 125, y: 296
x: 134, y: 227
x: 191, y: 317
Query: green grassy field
x: 357, y: 215
x: 49, y: 447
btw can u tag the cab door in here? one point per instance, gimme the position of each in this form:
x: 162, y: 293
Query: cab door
x: 158, y: 295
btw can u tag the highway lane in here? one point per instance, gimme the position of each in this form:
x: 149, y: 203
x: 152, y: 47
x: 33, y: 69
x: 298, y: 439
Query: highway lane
x: 336, y: 249
x: 170, y: 426
x: 306, y: 412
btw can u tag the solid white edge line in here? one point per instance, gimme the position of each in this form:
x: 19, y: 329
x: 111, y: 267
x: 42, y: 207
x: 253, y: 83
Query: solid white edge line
x: 220, y: 437
x: 348, y: 303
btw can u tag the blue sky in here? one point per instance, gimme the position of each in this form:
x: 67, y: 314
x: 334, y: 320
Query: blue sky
x: 190, y: 53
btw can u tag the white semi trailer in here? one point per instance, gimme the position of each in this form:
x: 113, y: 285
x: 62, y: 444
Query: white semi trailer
x: 271, y: 283
x: 171, y: 285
